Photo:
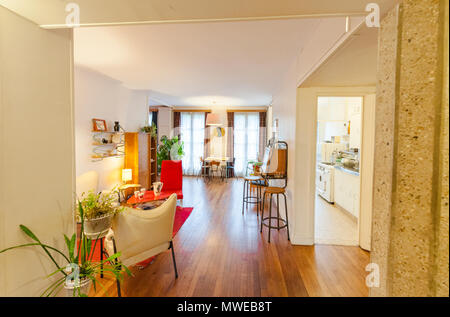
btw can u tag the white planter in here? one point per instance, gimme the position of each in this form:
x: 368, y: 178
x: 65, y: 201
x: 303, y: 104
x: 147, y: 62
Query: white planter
x: 98, y: 227
x: 85, y: 286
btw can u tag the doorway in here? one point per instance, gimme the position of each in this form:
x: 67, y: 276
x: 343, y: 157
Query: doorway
x: 338, y: 162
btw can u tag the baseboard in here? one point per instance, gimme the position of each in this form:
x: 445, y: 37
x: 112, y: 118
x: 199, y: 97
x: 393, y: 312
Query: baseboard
x: 298, y: 240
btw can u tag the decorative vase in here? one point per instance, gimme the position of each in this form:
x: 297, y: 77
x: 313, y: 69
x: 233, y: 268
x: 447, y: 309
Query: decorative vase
x: 97, y: 228
x: 84, y: 286
x: 116, y: 126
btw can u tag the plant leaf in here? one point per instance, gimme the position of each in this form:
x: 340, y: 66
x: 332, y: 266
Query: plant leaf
x: 29, y: 233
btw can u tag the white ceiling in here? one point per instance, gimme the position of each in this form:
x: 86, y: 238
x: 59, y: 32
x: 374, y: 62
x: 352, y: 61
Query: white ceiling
x: 196, y: 64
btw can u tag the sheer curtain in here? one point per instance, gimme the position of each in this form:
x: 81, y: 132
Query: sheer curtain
x: 246, y: 140
x: 192, y: 129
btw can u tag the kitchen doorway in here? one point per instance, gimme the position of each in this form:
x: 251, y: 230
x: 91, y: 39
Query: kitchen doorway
x: 339, y: 152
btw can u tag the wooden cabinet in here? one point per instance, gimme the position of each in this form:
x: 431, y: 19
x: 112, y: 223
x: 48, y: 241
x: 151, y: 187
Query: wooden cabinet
x: 347, y: 191
x: 140, y: 157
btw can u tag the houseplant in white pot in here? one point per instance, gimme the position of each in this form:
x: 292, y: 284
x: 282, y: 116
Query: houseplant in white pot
x: 79, y: 271
x: 99, y: 210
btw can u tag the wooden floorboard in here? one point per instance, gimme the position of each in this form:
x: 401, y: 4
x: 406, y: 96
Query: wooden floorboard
x: 221, y: 252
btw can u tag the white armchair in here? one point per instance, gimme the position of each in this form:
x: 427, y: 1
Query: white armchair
x: 140, y: 234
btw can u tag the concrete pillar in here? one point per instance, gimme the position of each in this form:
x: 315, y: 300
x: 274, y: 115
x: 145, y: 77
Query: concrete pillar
x: 410, y: 210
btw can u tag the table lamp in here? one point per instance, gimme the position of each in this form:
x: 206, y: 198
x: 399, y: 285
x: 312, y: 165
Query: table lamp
x: 127, y: 175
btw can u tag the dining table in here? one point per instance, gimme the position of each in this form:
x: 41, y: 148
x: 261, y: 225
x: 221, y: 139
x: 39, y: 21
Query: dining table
x: 221, y: 168
x: 217, y: 159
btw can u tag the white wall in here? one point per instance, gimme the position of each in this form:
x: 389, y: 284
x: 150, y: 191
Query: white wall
x: 98, y: 96
x: 329, y: 36
x: 36, y: 149
x: 367, y: 170
x: 165, y: 123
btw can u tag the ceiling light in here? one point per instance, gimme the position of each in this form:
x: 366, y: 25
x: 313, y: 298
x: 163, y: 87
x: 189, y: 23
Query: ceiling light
x: 213, y: 119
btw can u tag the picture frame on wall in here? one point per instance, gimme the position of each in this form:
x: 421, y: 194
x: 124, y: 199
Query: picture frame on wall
x: 99, y: 125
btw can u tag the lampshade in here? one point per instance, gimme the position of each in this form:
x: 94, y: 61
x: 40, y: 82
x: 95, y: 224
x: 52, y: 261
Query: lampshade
x: 127, y: 175
x: 213, y: 119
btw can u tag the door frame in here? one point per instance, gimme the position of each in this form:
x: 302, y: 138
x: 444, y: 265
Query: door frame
x: 309, y: 213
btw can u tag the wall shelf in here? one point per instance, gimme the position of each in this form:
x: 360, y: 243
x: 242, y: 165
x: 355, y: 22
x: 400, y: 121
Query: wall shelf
x: 107, y: 144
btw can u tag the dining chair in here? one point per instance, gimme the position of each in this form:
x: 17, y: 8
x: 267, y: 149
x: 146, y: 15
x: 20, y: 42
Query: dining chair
x: 230, y: 168
x: 140, y: 234
x: 223, y: 169
x: 204, y: 168
x: 215, y: 168
x: 172, y: 178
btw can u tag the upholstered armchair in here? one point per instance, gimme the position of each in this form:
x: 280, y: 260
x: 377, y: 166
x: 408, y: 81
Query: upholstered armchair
x: 140, y: 234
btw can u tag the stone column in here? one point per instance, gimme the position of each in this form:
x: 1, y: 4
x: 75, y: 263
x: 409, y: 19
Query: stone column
x: 410, y: 211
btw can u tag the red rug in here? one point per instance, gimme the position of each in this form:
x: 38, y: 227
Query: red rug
x: 181, y: 215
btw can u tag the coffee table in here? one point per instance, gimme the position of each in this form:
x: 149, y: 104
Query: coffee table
x: 149, y: 196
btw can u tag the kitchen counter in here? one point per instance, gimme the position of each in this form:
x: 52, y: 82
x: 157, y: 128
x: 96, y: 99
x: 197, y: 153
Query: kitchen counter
x: 347, y: 170
x: 347, y: 189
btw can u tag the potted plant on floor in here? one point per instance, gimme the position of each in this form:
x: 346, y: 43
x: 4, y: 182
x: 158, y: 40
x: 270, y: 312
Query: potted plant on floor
x: 79, y: 271
x: 99, y: 210
x: 169, y: 149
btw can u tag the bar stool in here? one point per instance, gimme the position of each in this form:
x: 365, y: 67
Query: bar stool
x: 247, y: 198
x: 285, y: 222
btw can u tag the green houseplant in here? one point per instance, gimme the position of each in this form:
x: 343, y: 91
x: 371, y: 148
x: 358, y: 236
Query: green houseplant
x: 149, y: 129
x: 98, y: 212
x: 79, y: 270
x: 169, y: 149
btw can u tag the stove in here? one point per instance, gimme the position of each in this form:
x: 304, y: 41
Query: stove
x: 325, y: 181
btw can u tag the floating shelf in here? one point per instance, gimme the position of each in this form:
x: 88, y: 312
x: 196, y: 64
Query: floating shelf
x: 109, y: 132
x: 114, y: 146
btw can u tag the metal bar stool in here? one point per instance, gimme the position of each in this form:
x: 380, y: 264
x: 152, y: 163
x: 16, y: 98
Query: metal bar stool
x: 247, y: 197
x: 267, y: 221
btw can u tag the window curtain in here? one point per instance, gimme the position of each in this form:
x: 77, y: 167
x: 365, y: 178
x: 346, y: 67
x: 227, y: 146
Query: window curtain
x: 176, y: 123
x: 153, y: 118
x: 246, y: 140
x: 230, y: 135
x: 262, y: 134
x: 206, y: 148
x: 192, y: 130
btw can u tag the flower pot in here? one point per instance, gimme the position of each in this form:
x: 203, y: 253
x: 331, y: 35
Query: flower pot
x: 98, y: 227
x: 85, y: 286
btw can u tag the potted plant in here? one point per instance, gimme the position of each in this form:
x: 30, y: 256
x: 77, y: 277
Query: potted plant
x: 169, y: 149
x: 98, y: 212
x: 79, y: 271
x: 149, y: 129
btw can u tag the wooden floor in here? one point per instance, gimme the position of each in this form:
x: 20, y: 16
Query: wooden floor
x: 221, y: 252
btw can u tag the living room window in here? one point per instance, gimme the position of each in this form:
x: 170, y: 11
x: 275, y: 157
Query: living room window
x: 246, y: 140
x: 192, y: 130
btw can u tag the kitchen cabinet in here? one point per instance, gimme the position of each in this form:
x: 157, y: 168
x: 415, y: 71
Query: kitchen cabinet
x: 347, y: 191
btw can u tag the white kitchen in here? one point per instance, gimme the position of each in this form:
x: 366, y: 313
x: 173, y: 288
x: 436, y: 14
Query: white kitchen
x: 338, y: 157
